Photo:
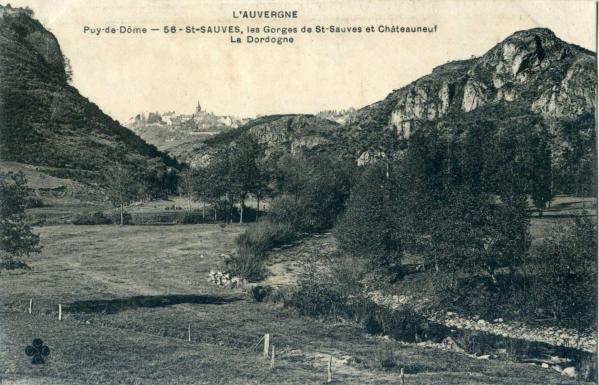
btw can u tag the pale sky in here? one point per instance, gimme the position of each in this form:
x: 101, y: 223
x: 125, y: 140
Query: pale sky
x: 127, y: 74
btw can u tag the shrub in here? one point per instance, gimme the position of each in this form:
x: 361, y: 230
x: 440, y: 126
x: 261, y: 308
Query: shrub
x: 316, y: 299
x: 225, y: 211
x: 261, y: 293
x: 263, y: 236
x: 190, y: 218
x: 564, y: 274
x: 286, y: 209
x: 247, y: 265
x: 16, y: 236
x: 116, y: 218
x: 252, y: 246
x: 8, y: 262
x: 154, y: 218
x: 32, y: 202
x: 385, y: 356
x: 328, y: 292
x: 97, y: 218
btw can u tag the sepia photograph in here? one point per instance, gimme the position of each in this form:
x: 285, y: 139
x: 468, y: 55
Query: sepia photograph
x: 298, y: 192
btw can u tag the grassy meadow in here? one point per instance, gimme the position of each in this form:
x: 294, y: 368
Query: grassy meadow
x: 129, y: 294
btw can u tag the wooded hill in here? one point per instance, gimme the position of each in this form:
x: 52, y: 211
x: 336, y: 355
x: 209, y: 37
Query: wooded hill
x: 45, y: 122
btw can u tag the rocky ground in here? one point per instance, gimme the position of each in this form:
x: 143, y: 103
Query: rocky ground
x: 586, y: 341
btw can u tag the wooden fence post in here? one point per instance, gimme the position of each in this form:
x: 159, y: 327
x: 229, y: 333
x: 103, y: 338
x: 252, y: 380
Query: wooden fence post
x: 189, y: 333
x: 30, y: 304
x: 266, y: 344
x: 329, y: 370
x: 401, y: 377
x: 59, y: 312
x: 272, y: 358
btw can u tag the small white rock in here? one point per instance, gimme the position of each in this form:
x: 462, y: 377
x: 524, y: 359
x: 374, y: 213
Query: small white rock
x: 570, y: 372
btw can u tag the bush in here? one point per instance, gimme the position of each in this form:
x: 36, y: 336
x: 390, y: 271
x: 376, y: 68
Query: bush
x: 286, y: 209
x: 190, y: 218
x: 555, y: 286
x: 261, y: 293
x: 247, y: 265
x: 116, y: 218
x: 336, y: 291
x: 97, y: 218
x: 385, y: 356
x: 328, y: 292
x: 317, y: 299
x: 263, y: 236
x: 32, y: 202
x: 252, y: 246
x: 8, y: 262
x: 563, y: 274
x: 16, y: 236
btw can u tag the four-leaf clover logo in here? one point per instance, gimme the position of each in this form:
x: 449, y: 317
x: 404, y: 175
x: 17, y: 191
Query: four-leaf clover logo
x: 37, y: 351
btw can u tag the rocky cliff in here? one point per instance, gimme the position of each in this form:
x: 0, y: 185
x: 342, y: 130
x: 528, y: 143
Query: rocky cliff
x: 532, y: 71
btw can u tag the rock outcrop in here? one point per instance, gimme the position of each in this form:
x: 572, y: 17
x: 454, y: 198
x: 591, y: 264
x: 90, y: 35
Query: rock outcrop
x: 533, y: 70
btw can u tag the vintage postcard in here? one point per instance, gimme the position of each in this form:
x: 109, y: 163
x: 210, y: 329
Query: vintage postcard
x: 298, y: 192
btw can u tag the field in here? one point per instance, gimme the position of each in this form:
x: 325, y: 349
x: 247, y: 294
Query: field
x: 129, y: 294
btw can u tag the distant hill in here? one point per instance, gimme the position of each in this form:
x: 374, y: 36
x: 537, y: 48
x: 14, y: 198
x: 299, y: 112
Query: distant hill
x: 295, y: 134
x: 45, y: 122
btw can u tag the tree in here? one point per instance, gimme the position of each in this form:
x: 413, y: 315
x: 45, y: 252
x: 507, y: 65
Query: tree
x: 217, y: 182
x: 311, y: 190
x: 16, y: 236
x: 122, y: 187
x: 371, y: 227
x: 244, y: 169
x: 202, y: 188
x: 471, y: 233
x: 187, y: 183
x: 540, y: 167
x: 566, y: 272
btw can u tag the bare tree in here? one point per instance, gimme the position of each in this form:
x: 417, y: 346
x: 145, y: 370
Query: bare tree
x: 187, y: 183
x: 122, y: 188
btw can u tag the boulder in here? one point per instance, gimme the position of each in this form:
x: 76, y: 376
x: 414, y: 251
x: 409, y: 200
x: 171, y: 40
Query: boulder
x: 570, y: 372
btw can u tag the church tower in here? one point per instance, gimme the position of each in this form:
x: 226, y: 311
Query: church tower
x: 198, y: 108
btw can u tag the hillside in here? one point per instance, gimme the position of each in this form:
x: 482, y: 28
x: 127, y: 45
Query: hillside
x: 294, y: 134
x: 46, y: 122
x: 531, y: 72
x: 531, y: 82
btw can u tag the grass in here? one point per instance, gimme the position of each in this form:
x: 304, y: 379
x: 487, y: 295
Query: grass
x: 130, y: 293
